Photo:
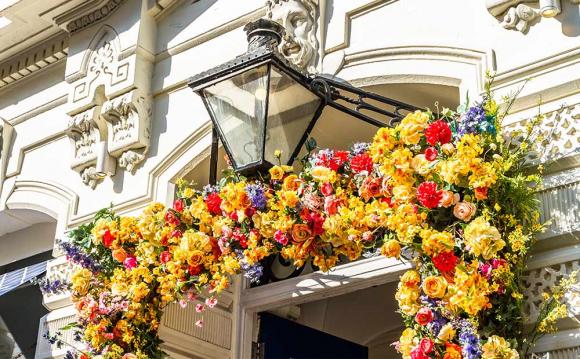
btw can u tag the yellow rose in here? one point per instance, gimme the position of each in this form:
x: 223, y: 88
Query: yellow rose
x: 289, y: 198
x: 322, y: 174
x: 391, y: 249
x: 498, y: 347
x: 434, y: 286
x: 276, y: 173
x: 81, y: 281
x: 188, y: 192
x: 412, y: 127
x: 195, y: 258
x: 407, y: 342
x: 421, y: 165
x: 291, y: 183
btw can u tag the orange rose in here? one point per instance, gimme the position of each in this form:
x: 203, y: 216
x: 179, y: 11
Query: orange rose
x: 300, y: 232
x: 411, y: 278
x: 481, y: 193
x: 119, y: 255
x: 448, y: 199
x: 195, y: 258
x: 276, y: 173
x: 371, y: 187
x: 291, y: 183
x: 464, y: 211
x: 434, y: 286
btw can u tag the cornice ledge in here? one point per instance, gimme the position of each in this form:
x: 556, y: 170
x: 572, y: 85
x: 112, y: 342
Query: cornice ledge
x: 89, y: 13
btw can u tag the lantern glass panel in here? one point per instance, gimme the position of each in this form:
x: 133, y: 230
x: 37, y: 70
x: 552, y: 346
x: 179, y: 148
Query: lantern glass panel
x: 238, y: 107
x: 291, y: 109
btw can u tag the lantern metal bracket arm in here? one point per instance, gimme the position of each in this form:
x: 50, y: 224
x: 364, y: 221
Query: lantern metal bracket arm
x: 336, y: 93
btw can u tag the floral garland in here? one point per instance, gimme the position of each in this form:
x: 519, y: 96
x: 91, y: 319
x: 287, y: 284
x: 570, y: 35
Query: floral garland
x: 444, y: 190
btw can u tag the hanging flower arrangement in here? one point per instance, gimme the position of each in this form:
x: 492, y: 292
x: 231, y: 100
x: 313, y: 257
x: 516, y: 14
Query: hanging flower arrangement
x: 443, y: 190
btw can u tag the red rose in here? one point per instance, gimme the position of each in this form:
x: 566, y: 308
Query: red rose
x: 316, y: 221
x: 424, y: 316
x: 165, y: 257
x: 445, y: 261
x: 213, y: 203
x: 108, y: 238
x: 428, y: 195
x: 326, y: 189
x: 178, y: 205
x: 361, y: 162
x: 194, y: 270
x: 426, y: 345
x: 431, y: 153
x: 438, y: 132
x: 171, y: 218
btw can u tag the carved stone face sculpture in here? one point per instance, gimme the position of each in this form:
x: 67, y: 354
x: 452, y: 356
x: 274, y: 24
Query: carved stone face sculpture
x: 298, y: 18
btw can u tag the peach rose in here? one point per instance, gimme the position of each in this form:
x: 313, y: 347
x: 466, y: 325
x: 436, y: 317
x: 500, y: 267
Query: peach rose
x: 119, y: 255
x: 464, y: 211
x: 448, y: 198
x: 434, y: 286
x: 391, y: 249
x: 300, y: 232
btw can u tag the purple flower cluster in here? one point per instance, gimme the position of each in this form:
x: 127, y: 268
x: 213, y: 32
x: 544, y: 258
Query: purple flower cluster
x: 359, y: 148
x: 470, y: 343
x: 475, y: 121
x: 253, y: 272
x: 76, y: 255
x: 257, y: 196
x: 56, y: 286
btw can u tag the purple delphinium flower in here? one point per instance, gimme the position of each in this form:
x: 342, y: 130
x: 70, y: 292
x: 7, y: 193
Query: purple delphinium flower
x: 257, y: 196
x: 475, y: 121
x: 469, y: 340
x: 76, y: 255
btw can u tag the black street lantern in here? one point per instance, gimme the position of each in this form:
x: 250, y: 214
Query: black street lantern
x: 260, y: 102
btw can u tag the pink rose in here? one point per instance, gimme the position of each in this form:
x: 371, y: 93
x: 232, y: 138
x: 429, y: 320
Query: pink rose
x: 426, y: 345
x: 331, y: 205
x: 281, y: 237
x: 130, y: 262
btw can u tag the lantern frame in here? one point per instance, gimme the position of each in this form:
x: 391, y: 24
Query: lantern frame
x: 264, y: 37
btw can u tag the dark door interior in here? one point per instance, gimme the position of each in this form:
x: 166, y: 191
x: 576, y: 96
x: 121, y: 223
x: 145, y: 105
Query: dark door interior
x: 284, y: 339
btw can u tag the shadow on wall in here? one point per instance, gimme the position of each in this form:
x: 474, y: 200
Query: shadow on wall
x: 570, y: 19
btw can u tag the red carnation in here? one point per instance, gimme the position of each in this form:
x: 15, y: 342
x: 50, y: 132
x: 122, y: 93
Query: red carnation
x: 445, y: 261
x: 361, y: 162
x: 428, y: 195
x: 438, y: 132
x: 165, y: 256
x: 338, y: 160
x: 171, y: 218
x: 108, y: 238
x: 178, y: 205
x: 213, y: 203
x: 431, y: 153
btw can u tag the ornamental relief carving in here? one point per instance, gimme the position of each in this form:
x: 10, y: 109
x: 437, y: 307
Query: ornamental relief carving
x: 518, y: 15
x: 111, y: 108
x: 299, y: 18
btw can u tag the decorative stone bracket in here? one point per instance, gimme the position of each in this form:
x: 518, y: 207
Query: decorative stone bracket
x: 518, y: 15
x: 128, y: 119
x: 109, y: 73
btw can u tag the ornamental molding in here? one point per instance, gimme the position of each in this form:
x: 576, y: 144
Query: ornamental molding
x: 521, y: 14
x: 89, y: 13
x: 23, y: 65
x: 6, y: 132
x: 300, y: 44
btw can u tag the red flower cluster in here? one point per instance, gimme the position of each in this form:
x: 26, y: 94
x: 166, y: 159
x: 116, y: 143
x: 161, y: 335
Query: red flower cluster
x: 438, y: 132
x: 361, y: 162
x: 428, y: 195
x: 335, y: 162
x: 108, y: 238
x: 213, y: 203
x: 445, y: 261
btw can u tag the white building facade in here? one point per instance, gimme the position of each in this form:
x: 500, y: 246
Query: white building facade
x: 95, y: 111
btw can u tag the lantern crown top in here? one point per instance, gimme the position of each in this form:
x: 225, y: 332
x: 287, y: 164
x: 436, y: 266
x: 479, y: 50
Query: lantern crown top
x: 264, y: 33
